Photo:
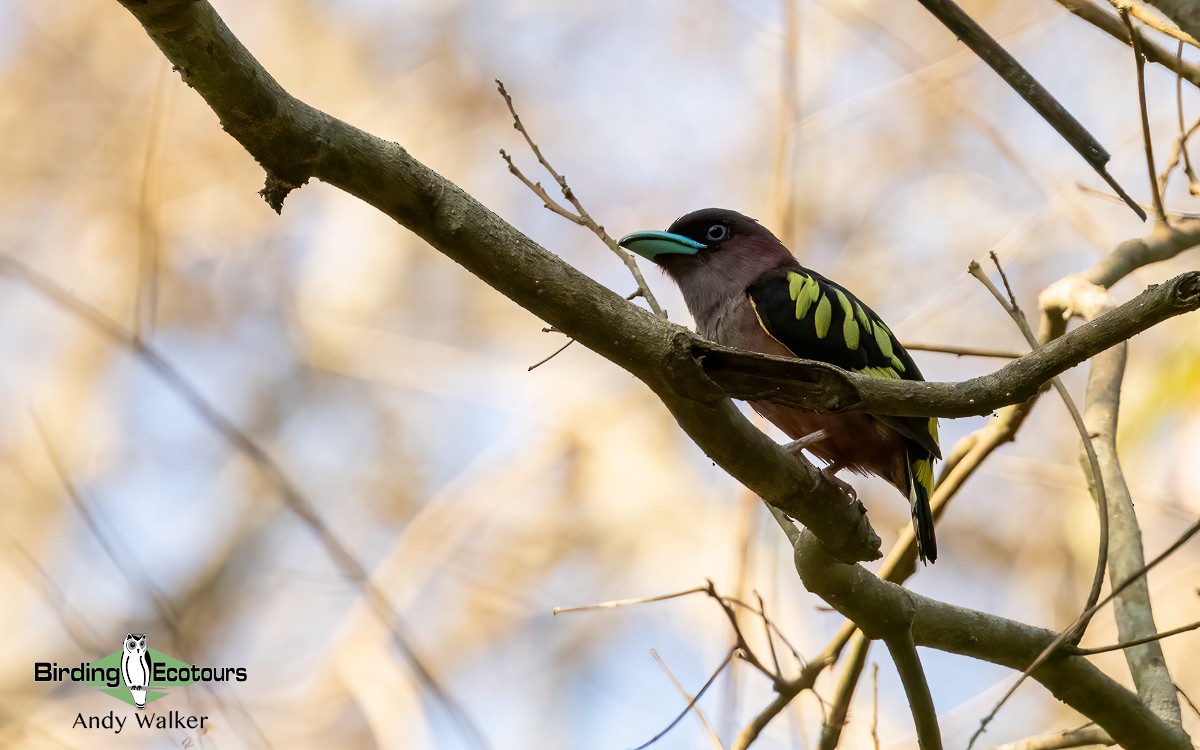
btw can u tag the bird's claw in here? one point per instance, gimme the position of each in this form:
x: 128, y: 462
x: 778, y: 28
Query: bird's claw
x: 830, y: 474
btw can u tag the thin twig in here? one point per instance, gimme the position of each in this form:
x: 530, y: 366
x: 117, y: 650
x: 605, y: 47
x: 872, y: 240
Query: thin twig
x: 146, y: 291
x: 557, y: 352
x: 1094, y: 193
x: 1183, y: 538
x: 627, y: 602
x: 724, y: 663
x: 963, y: 351
x: 1188, y: 700
x: 1101, y: 496
x: 747, y: 516
x: 691, y: 699
x: 787, y: 113
x: 835, y: 720
x: 762, y: 608
x: 1036, y: 95
x: 1139, y: 11
x: 580, y: 216
x: 1136, y: 641
x: 1010, y: 306
x: 741, y: 645
x: 1083, y: 737
x: 1110, y: 24
x: 1160, y: 213
x: 875, y: 705
x: 769, y: 623
x: 1180, y: 151
x: 1070, y: 633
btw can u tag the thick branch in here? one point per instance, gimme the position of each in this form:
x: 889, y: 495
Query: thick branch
x: 873, y: 604
x: 823, y: 388
x: 916, y: 688
x: 295, y: 142
x: 1185, y: 13
x: 1111, y: 24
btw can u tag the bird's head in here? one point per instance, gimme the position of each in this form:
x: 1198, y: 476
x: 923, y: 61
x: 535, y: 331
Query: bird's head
x: 711, y: 253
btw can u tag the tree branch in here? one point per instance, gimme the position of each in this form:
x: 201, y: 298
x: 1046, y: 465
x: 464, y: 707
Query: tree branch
x: 295, y: 142
x: 873, y: 604
x: 1110, y: 24
x: 916, y: 687
x: 820, y: 387
x: 1086, y: 737
x: 1034, y: 94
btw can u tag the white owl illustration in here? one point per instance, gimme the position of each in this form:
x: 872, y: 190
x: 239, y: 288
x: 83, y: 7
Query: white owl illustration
x: 135, y: 667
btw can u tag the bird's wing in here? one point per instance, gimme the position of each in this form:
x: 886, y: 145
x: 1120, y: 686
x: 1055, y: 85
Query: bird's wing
x: 816, y: 318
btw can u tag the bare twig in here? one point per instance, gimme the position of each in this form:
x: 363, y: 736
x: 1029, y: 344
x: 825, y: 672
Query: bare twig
x: 1181, y: 540
x: 580, y: 215
x: 691, y: 699
x: 1110, y: 24
x: 1154, y: 21
x: 990, y: 51
x: 1160, y: 213
x: 787, y: 113
x: 557, y: 352
x: 961, y: 463
x: 627, y: 602
x: 1011, y: 307
x: 770, y: 625
x: 762, y: 608
x: 724, y: 663
x: 1018, y: 317
x: 1190, y: 702
x: 1070, y: 633
x: 747, y: 517
x: 875, y: 705
x: 740, y: 645
x: 1136, y: 641
x: 835, y: 720
x: 146, y: 294
x: 1085, y: 737
x: 1085, y: 295
x: 1180, y: 150
x: 963, y: 351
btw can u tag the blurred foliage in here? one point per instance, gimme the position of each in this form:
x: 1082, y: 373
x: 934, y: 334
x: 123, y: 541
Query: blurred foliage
x: 392, y: 387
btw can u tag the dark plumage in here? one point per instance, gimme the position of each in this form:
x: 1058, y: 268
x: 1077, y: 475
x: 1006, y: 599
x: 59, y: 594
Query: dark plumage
x: 746, y: 290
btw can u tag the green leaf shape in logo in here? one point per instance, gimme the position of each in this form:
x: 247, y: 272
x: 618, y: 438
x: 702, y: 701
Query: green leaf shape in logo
x: 167, y: 671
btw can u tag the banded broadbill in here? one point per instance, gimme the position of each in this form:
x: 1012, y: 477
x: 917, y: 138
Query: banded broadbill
x: 746, y: 290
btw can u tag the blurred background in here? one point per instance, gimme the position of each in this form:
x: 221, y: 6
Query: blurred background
x: 391, y: 387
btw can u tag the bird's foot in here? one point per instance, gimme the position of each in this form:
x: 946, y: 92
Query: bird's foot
x: 810, y: 439
x: 830, y: 474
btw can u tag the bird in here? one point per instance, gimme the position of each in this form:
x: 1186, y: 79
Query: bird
x: 136, y: 667
x: 746, y: 290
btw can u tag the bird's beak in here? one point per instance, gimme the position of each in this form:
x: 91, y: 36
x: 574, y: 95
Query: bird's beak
x: 650, y: 244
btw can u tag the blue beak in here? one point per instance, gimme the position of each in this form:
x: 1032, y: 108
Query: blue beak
x: 650, y: 244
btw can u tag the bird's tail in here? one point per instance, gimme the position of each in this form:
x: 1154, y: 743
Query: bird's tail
x: 920, y: 487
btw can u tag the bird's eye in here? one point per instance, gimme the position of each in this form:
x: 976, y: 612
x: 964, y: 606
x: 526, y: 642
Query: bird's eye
x: 716, y: 233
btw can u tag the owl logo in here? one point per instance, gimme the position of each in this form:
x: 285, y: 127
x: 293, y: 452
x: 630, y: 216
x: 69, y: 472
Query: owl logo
x: 135, y: 667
